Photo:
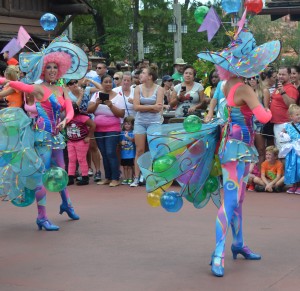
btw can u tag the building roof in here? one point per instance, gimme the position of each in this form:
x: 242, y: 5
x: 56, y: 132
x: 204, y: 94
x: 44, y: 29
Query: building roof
x: 278, y: 9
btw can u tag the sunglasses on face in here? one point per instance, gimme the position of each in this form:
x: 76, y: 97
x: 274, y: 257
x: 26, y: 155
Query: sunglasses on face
x: 253, y: 78
x: 72, y: 83
x: 116, y: 78
x: 99, y: 68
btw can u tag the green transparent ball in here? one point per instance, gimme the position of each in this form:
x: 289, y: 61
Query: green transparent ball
x: 26, y: 199
x: 192, y: 123
x: 211, y: 185
x: 163, y: 163
x: 200, y: 13
x: 55, y: 179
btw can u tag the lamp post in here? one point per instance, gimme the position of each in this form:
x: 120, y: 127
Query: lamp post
x: 177, y: 27
x: 131, y: 50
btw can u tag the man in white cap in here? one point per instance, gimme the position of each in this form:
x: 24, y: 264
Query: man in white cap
x: 179, y: 67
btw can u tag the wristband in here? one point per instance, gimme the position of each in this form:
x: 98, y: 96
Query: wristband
x: 282, y: 93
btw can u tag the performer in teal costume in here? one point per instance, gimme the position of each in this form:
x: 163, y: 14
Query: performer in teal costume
x: 242, y: 58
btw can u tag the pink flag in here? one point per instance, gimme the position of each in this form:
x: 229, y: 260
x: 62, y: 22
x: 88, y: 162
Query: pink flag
x: 12, y: 47
x: 211, y: 23
x: 23, y: 36
x: 241, y: 23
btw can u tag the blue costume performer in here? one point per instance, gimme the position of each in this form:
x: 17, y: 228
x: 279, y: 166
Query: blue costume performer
x: 50, y: 102
x: 194, y: 160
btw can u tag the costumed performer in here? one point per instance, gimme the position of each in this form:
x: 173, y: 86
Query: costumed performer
x: 61, y: 58
x: 242, y: 58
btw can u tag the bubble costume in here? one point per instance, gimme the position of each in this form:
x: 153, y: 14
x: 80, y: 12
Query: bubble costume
x: 31, y: 153
x: 186, y: 157
x: 47, y: 146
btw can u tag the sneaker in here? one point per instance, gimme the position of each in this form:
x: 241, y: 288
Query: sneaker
x: 90, y: 172
x: 124, y: 182
x: 97, y: 176
x: 135, y: 182
x: 104, y: 182
x: 297, y: 191
x: 129, y: 181
x: 142, y: 180
x: 251, y: 188
x: 291, y: 190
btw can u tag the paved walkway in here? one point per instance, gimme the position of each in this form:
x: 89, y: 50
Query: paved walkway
x: 123, y: 244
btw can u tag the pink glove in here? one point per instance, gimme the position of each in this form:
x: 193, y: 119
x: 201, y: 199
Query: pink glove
x: 69, y: 110
x: 2, y: 81
x: 21, y: 86
x: 262, y: 114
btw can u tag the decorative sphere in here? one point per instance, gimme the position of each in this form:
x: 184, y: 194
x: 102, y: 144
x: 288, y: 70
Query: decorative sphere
x: 26, y: 199
x: 171, y: 201
x: 163, y: 163
x: 200, y: 13
x: 153, y: 199
x: 254, y: 6
x: 231, y: 6
x: 55, y: 179
x: 48, y: 21
x: 192, y: 123
x: 211, y: 185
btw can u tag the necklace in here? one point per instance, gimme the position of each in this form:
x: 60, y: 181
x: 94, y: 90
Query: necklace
x: 50, y: 83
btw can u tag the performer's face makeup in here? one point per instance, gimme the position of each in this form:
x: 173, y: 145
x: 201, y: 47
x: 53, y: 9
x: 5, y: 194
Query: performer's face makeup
x: 51, y: 71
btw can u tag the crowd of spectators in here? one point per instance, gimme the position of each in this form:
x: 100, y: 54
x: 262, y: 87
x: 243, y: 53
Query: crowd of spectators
x: 107, y: 96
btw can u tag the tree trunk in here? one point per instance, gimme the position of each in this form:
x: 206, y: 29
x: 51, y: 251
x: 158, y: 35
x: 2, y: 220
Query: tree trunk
x: 99, y: 21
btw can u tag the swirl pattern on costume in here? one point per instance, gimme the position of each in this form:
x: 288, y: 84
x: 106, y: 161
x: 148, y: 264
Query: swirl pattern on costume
x: 187, y: 157
x: 21, y: 167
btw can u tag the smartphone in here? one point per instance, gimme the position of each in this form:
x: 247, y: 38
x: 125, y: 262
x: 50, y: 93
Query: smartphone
x: 103, y: 96
x: 276, y: 83
x: 183, y: 88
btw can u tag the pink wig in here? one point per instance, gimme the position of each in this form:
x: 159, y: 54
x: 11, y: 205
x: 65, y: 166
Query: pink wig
x: 63, y: 61
x: 224, y: 74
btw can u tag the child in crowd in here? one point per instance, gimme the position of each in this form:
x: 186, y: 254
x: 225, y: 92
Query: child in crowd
x: 253, y: 172
x: 271, y: 173
x: 79, y: 131
x: 127, y: 149
x: 291, y: 150
x: 11, y: 96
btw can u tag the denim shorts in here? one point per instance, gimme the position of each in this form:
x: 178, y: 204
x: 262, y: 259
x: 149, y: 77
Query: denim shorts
x: 145, y: 128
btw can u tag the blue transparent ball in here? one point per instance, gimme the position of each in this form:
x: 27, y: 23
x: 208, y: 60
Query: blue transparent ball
x: 48, y: 21
x: 231, y: 6
x: 171, y: 201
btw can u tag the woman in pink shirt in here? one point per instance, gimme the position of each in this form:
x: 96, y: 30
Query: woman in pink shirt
x: 108, y: 107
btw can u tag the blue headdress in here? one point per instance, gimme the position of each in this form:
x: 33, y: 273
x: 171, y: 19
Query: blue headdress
x: 31, y: 63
